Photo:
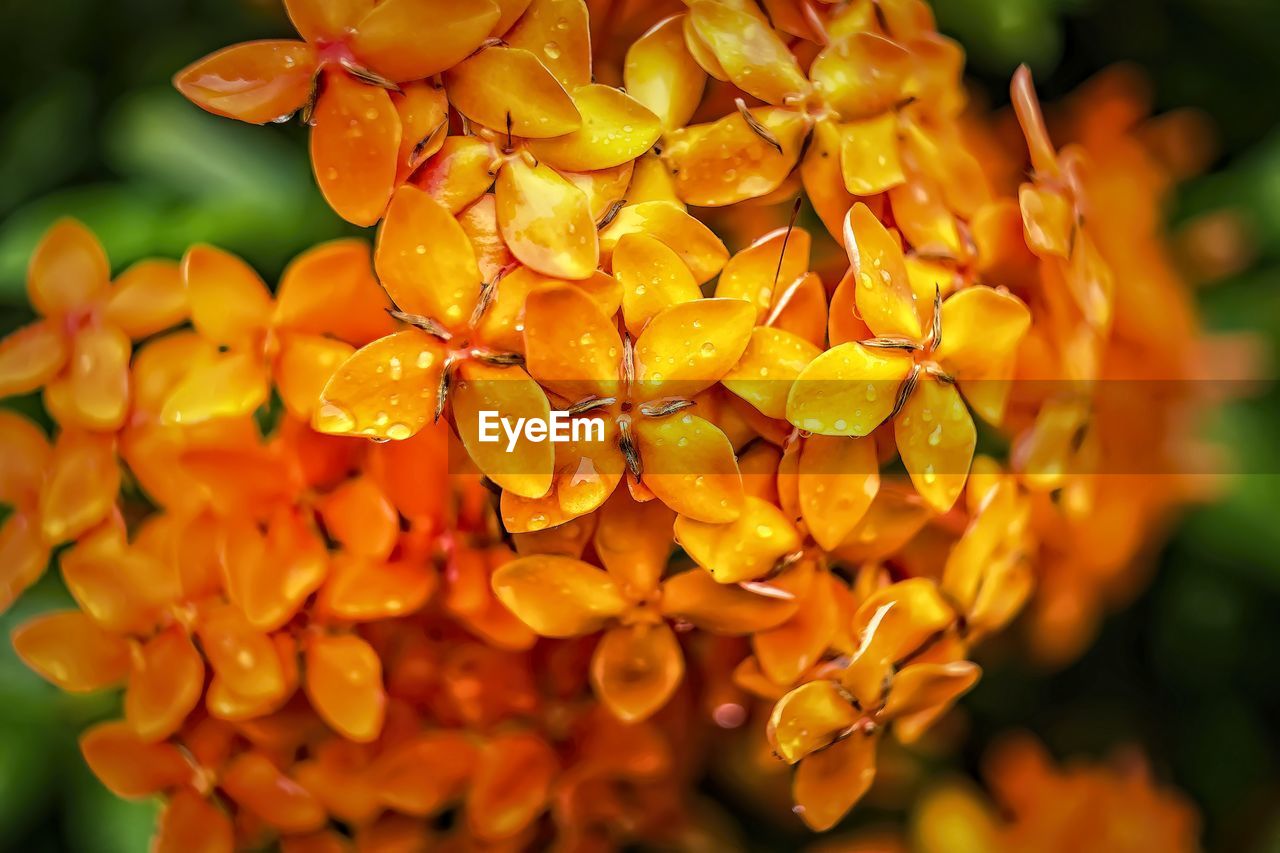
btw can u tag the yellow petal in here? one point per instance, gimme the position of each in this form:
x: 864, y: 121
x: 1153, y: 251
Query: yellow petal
x: 869, y: 155
x: 722, y: 609
x: 725, y: 161
x: 616, y: 129
x: 926, y: 688
x: 633, y: 541
x: 653, y: 277
x: 829, y: 783
x: 230, y: 303
x: 234, y: 384
x: 507, y: 83
x: 809, y: 718
x: 581, y: 363
x: 848, y: 390
x: 861, y: 74
x: 636, y: 669
x: 147, y: 298
x: 355, y: 147
x: 745, y: 549
x: 688, y: 347
x: 823, y: 177
x: 557, y: 33
x: 306, y: 364
x: 801, y: 309
x: 23, y: 557
x: 936, y: 439
x: 546, y: 221
x: 837, y: 479
x: 695, y: 243
x: 587, y: 471
x: 425, y: 261
x: 883, y: 294
x: 604, y: 188
x: 511, y: 787
x: 690, y: 466
x: 660, y: 73
x: 503, y: 324
x: 785, y: 652
x: 31, y: 357
x: 458, y: 173
x: 921, y: 214
x: 760, y: 271
x: 892, y: 624
x: 558, y: 596
x: 330, y: 290
x: 750, y: 52
x: 410, y: 39
x: 384, y: 390
x: 981, y: 331
x: 527, y: 468
x: 423, y: 109
x: 767, y: 369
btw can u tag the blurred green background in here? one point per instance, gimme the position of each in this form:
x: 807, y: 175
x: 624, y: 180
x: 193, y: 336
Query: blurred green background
x: 90, y: 127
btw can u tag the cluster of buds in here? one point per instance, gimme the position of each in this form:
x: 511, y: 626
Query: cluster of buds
x: 343, y: 617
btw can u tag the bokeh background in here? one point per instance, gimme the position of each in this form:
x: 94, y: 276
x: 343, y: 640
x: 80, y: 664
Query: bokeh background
x: 1190, y: 671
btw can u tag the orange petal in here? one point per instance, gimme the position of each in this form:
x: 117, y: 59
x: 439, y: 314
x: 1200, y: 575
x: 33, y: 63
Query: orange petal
x: 837, y: 478
x: 306, y: 364
x: 344, y: 684
x: 458, y: 173
x: 23, y: 557
x: 581, y: 364
x: 31, y: 357
x: 128, y: 766
x: 361, y: 591
x: 690, y: 466
x: 768, y: 367
x: 230, y: 304
x: 695, y: 243
x: 330, y: 290
x: 861, y: 74
x: 385, y: 390
x: 242, y: 657
x: 636, y: 669
x: 191, y: 824
x: 869, y: 159
x: 525, y: 468
x: 98, y: 378
x: 257, y: 786
x: 558, y: 596
x: 435, y: 277
x: 80, y: 488
x: 722, y: 609
x: 355, y: 146
x: 661, y: 74
x: 883, y: 295
x: 558, y: 34
x: 70, y: 650
x: 511, y: 786
x: 829, y: 783
x: 616, y: 129
x: 546, y: 221
x: 766, y: 266
x: 411, y: 39
x: 423, y: 775
x: 893, y: 623
x: 604, y: 188
x: 809, y: 718
x: 507, y: 83
x: 164, y: 686
x: 922, y: 215
x: 921, y: 692
x: 480, y: 223
x: 936, y: 439
x: 744, y: 549
x: 68, y: 270
x: 360, y: 517
x: 687, y: 347
x: 725, y: 162
x: 147, y: 298
x: 326, y: 20
x: 122, y: 588
x: 653, y: 277
x: 633, y: 541
x: 232, y: 386
x: 785, y: 652
x: 801, y: 309
x: 982, y: 329
x: 823, y: 177
x: 750, y: 52
x: 423, y: 109
x: 257, y: 82
x: 268, y: 578
x: 848, y: 390
x: 587, y: 471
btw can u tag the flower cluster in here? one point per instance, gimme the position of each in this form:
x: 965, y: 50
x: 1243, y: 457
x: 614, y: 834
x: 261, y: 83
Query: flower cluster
x: 339, y: 615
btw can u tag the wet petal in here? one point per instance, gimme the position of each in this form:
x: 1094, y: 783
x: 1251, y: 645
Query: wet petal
x: 423, y: 110
x: 690, y: 466
x: 936, y: 439
x: 511, y: 786
x: 861, y: 74
x: 504, y: 322
x: 235, y: 384
x: 480, y: 223
x: 750, y: 52
x: 587, y: 471
x: 386, y: 389
x: 326, y: 20
x: 130, y: 767
x: 767, y: 369
x: 616, y: 129
x: 355, y: 146
x: 653, y: 277
x: 305, y: 366
x: 70, y: 650
x: 501, y: 83
x: 254, y: 783
x: 558, y: 34
x: 829, y: 783
x: 344, y: 684
x: 410, y: 39
x: 695, y: 243
x: 558, y: 596
x: 725, y: 161
x: 546, y: 221
x: 722, y: 609
x: 636, y: 669
x: 809, y: 718
x: 98, y: 377
x: 31, y: 357
x: 745, y: 549
x: 257, y: 82
x: 80, y: 487
x: 230, y: 303
x: 164, y: 686
x: 838, y: 479
x: 848, y: 390
x: 661, y: 74
x: 570, y: 347
x: 883, y: 294
x: 458, y: 173
x: 869, y: 158
x: 527, y: 468
x: 688, y: 347
x: 424, y: 259
x: 759, y: 271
